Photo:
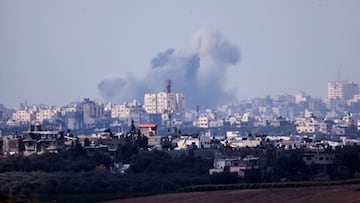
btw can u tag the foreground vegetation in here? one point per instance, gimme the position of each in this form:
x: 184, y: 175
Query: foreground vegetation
x: 7, y: 198
x: 77, y: 172
x: 80, y: 176
x: 241, y: 186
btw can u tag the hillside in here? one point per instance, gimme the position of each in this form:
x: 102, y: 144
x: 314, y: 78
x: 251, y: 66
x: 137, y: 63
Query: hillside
x: 340, y: 193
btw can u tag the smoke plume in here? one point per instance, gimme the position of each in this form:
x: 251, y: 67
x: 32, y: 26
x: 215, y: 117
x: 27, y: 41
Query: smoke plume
x: 116, y: 88
x: 200, y: 75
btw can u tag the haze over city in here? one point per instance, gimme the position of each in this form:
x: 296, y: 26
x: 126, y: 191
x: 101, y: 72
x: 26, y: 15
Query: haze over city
x: 63, y: 51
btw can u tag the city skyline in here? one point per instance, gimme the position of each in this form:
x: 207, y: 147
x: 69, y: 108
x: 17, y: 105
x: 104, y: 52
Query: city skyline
x: 280, y: 47
x: 339, y: 91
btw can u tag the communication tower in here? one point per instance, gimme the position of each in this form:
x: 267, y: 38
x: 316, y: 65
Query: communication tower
x: 168, y: 84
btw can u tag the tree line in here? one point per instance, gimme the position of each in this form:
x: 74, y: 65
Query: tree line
x: 79, y: 171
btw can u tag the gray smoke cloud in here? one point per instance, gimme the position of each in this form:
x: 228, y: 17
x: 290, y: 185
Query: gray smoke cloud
x: 200, y: 75
x: 117, y: 88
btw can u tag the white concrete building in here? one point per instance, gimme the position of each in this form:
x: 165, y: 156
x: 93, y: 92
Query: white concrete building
x: 162, y: 103
x: 216, y: 123
x: 311, y: 125
x: 343, y: 90
x: 23, y: 116
x: 203, y: 141
x: 46, y: 114
x: 202, y: 122
x: 300, y: 97
x: 355, y: 99
x: 129, y: 111
x: 125, y: 110
x: 235, y: 165
x: 185, y: 142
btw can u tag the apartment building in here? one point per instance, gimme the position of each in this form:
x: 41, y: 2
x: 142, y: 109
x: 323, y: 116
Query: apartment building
x: 92, y: 111
x: 129, y: 111
x: 300, y: 97
x: 202, y: 122
x: 343, y: 90
x: 125, y: 110
x: 46, y: 114
x: 311, y: 125
x: 38, y: 141
x: 163, y: 103
x: 23, y: 116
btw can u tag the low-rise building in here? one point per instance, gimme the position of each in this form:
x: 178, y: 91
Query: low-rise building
x: 38, y: 141
x: 187, y: 141
x: 103, y: 140
x: 202, y: 122
x: 318, y: 158
x: 310, y: 125
x: 12, y: 145
x: 235, y: 165
x: 150, y: 132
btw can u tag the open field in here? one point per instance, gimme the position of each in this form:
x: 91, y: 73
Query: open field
x: 319, y: 194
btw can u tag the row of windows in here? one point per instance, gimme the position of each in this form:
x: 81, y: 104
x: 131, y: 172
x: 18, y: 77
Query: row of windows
x: 319, y: 158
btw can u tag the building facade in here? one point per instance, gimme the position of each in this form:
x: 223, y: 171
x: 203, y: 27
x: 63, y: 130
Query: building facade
x: 46, y: 114
x: 129, y: 111
x: 163, y: 103
x: 23, y: 116
x: 92, y: 111
x: 343, y: 90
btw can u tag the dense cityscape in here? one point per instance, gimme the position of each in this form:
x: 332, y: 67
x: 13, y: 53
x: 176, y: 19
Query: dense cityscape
x: 179, y: 101
x: 337, y: 114
x: 276, y: 139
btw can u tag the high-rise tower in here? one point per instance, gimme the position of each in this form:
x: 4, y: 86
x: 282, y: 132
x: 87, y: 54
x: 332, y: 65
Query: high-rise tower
x: 168, y: 103
x: 343, y: 90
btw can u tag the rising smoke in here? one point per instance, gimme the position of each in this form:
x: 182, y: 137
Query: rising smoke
x: 116, y: 88
x: 200, y: 75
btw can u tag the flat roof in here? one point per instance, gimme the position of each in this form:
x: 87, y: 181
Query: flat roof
x: 147, y: 125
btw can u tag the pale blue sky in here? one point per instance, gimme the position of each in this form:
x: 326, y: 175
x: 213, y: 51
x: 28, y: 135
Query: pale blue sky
x: 55, y: 52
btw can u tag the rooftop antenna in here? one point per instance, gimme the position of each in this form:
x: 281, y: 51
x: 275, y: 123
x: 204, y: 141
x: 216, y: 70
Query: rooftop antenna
x: 197, y: 112
x: 168, y: 84
x: 197, y: 115
x: 168, y: 94
x: 338, y: 74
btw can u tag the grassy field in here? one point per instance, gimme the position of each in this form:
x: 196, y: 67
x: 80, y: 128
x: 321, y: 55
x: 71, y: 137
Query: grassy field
x: 319, y: 194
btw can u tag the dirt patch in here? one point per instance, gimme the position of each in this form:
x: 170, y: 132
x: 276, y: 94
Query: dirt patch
x: 325, y: 194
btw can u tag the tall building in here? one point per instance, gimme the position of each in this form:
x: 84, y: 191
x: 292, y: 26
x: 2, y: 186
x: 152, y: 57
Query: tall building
x: 162, y: 103
x: 300, y: 97
x: 92, y: 111
x: 129, y: 111
x: 343, y: 90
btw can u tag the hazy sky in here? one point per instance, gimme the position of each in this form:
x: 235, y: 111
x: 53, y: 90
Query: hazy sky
x: 55, y: 52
